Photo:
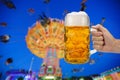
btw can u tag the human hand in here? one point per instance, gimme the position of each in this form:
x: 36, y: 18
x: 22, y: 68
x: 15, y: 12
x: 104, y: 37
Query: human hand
x: 103, y: 41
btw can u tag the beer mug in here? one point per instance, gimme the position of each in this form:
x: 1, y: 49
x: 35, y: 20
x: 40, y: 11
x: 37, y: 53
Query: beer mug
x: 77, y: 38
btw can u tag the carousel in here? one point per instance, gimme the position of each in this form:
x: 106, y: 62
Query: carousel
x: 46, y: 40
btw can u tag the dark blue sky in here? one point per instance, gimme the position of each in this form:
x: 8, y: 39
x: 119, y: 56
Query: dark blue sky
x: 19, y: 20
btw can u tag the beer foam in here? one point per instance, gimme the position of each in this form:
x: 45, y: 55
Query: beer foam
x: 77, y: 19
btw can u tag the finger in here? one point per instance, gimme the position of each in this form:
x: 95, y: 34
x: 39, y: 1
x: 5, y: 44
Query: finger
x: 101, y: 43
x: 98, y: 47
x: 100, y: 38
x: 97, y: 33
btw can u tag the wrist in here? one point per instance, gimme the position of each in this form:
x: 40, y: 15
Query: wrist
x: 116, y: 46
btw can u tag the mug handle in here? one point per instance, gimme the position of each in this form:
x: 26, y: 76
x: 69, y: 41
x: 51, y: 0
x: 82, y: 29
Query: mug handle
x: 94, y: 50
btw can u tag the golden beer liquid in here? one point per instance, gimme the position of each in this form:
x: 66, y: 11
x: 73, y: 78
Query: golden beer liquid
x: 77, y: 39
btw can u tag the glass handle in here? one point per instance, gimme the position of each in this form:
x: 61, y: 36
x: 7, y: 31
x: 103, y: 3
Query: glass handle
x: 94, y: 50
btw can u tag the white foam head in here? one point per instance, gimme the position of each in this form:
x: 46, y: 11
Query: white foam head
x: 77, y: 19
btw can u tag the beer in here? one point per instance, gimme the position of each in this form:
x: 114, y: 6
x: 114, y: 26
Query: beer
x: 77, y: 39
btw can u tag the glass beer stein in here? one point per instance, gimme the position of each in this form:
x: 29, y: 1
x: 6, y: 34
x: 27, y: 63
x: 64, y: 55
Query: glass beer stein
x: 77, y: 38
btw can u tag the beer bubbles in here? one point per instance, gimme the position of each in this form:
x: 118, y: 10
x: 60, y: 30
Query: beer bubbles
x: 77, y: 18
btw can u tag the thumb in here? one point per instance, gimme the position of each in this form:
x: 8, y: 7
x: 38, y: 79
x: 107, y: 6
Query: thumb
x: 99, y: 27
